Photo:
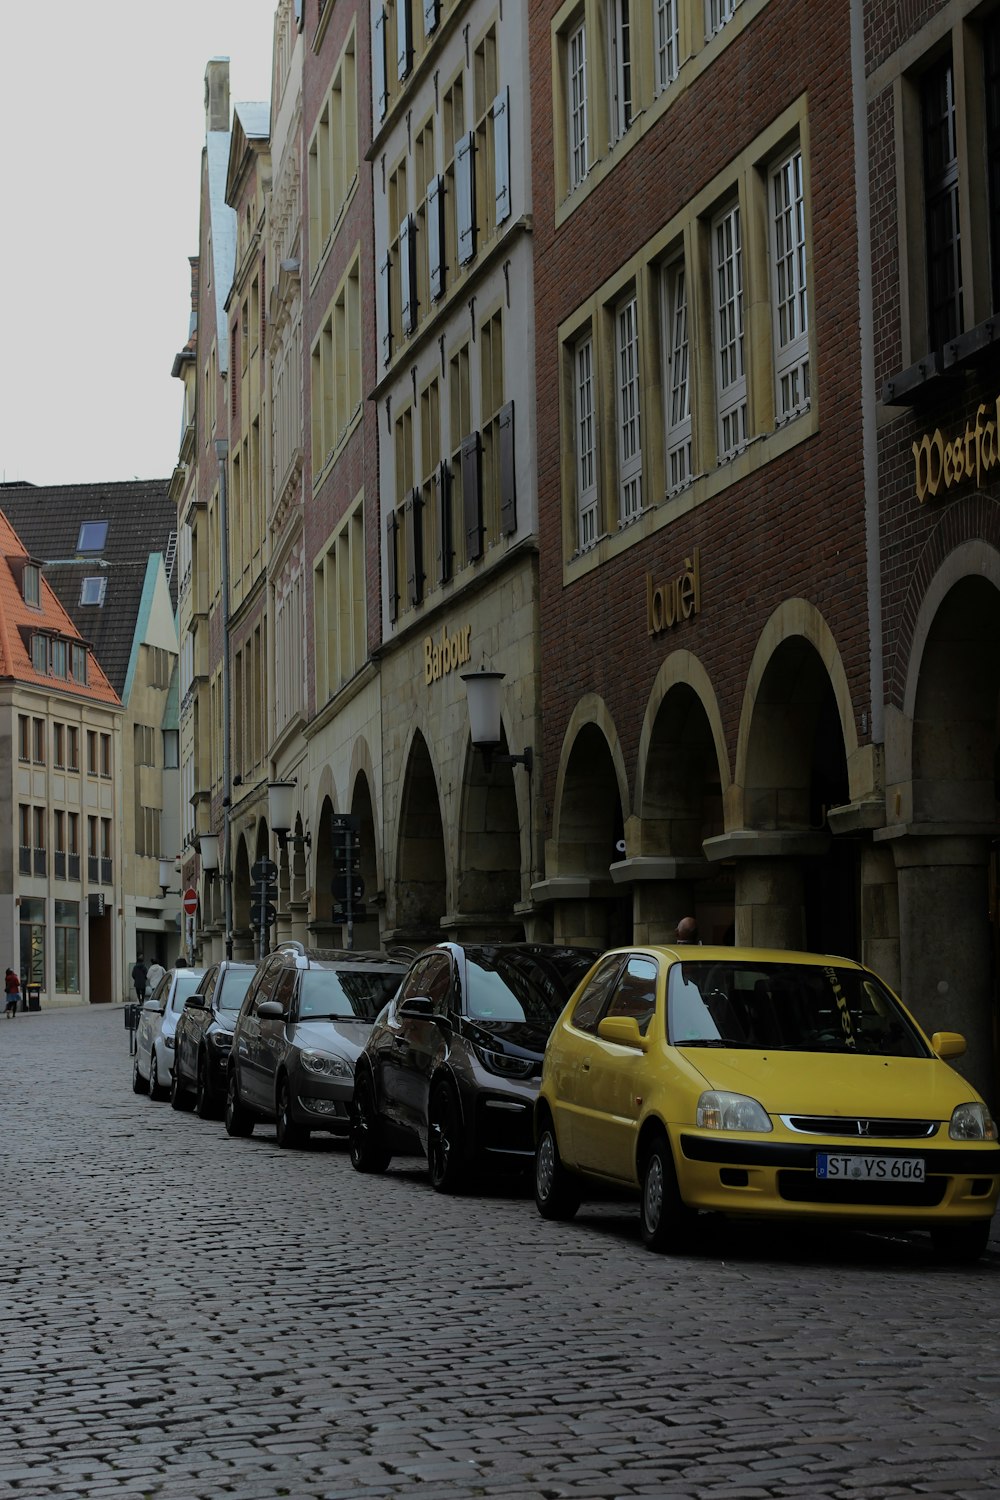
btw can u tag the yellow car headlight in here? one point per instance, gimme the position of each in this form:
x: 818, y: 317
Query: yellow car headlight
x: 719, y: 1110
x: 972, y: 1122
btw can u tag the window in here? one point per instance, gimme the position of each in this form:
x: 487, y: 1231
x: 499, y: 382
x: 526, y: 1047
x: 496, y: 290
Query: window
x: 336, y: 371
x: 91, y: 752
x: 667, y: 41
x: 72, y: 747
x: 333, y: 155
x: 576, y: 66
x: 105, y: 755
x: 730, y: 369
x: 339, y: 604
x: 67, y: 947
x: 590, y: 1007
x: 32, y: 934
x: 677, y: 386
x: 171, y: 749
x: 24, y: 839
x: 38, y: 741
x: 40, y: 653
x: 788, y: 291
x: 941, y: 206
x: 23, y: 737
x: 491, y: 386
x: 59, y: 744
x: 717, y: 13
x: 635, y: 993
x: 31, y: 584
x: 59, y: 658
x: 92, y: 590
x: 619, y: 67
x: 586, y: 450
x: 79, y: 666
x: 92, y: 537
x: 38, y: 840
x: 627, y: 406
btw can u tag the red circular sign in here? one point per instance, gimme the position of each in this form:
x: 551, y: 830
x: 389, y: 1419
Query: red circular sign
x: 190, y: 901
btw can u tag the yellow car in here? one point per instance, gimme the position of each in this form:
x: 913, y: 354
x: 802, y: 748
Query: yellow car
x: 773, y: 1084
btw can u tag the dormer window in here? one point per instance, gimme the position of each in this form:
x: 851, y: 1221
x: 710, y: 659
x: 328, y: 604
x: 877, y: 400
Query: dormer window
x: 31, y: 584
x: 93, y: 535
x: 79, y: 664
x: 40, y: 653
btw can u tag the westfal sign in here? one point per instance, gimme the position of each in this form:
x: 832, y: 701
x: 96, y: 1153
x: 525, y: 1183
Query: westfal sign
x: 940, y: 463
x: 675, y: 600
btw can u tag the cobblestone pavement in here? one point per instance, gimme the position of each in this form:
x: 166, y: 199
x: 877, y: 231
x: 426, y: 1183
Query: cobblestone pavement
x: 185, y: 1315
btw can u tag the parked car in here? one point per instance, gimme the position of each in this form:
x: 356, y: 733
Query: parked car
x: 204, y: 1035
x: 154, y: 1038
x: 303, y: 1022
x: 451, y: 1068
x: 783, y: 1085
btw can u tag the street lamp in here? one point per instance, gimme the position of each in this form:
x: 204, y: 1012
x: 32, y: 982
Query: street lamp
x: 483, y: 692
x: 208, y: 848
x: 167, y: 868
x: 281, y: 814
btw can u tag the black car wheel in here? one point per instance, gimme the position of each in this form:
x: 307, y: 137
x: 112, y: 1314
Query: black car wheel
x: 139, y: 1084
x: 205, y: 1102
x: 960, y: 1244
x: 239, y: 1120
x: 445, y: 1156
x: 556, y: 1195
x: 290, y: 1134
x: 156, y: 1089
x: 180, y: 1098
x: 368, y: 1153
x: 666, y: 1224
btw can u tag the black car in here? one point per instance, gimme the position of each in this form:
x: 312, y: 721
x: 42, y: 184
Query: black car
x: 452, y: 1066
x: 204, y: 1036
x: 305, y: 1018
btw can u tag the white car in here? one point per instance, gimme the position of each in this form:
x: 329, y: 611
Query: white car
x: 154, y: 1039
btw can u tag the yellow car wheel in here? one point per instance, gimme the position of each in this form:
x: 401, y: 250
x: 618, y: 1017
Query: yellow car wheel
x: 556, y: 1196
x: 667, y: 1225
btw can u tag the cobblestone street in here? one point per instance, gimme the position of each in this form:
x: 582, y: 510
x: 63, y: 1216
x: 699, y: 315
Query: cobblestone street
x: 187, y: 1315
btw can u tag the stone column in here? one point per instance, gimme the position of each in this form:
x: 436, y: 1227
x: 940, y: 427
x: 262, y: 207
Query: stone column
x: 945, y: 946
x: 770, y: 911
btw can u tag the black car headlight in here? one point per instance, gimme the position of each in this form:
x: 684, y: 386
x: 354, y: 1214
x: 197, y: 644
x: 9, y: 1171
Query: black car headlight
x: 505, y: 1064
x: 222, y: 1039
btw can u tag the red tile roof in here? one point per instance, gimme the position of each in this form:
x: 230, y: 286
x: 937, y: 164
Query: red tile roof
x: 50, y: 617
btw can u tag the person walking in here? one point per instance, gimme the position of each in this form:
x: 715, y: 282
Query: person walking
x: 139, y: 979
x: 154, y: 974
x: 12, y: 989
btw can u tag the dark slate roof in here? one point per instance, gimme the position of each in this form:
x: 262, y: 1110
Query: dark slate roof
x: 141, y: 519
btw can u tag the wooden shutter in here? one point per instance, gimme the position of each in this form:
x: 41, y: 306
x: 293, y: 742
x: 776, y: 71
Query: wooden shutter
x: 408, y: 273
x: 392, y: 564
x: 380, y: 75
x: 508, y: 508
x: 432, y: 13
x: 385, y: 306
x: 446, y: 537
x: 501, y: 153
x: 472, y: 496
x: 435, y: 236
x: 414, y: 530
x: 465, y: 195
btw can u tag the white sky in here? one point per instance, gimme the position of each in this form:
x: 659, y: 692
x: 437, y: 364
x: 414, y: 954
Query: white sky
x: 103, y: 119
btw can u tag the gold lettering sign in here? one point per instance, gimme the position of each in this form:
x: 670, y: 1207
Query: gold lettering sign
x: 677, y: 599
x: 446, y: 652
x: 940, y: 464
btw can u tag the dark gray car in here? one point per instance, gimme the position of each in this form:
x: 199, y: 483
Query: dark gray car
x: 303, y: 1023
x: 204, y: 1036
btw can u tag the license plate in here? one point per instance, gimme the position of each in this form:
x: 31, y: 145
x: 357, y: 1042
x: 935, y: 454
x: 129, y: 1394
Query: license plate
x: 869, y: 1168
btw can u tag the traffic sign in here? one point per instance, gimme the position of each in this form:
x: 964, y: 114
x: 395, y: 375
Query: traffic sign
x: 189, y: 901
x: 263, y: 914
x: 263, y: 891
x: 263, y: 870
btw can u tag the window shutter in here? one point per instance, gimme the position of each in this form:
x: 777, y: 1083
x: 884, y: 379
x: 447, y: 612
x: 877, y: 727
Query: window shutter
x: 380, y: 74
x: 501, y: 153
x: 435, y: 236
x: 472, y: 495
x: 432, y: 12
x: 446, y: 537
x: 413, y: 523
x: 392, y: 575
x: 408, y: 272
x: 508, y: 509
x: 385, y: 306
x: 465, y: 193
x: 404, y: 38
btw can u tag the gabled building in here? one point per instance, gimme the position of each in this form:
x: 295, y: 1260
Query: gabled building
x: 61, y: 776
x: 108, y: 553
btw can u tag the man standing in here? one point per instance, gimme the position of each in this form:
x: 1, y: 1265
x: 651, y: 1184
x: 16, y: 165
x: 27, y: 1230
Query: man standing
x: 139, y: 979
x: 687, y: 930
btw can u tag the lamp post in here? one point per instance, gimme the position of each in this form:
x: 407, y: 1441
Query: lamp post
x: 483, y: 692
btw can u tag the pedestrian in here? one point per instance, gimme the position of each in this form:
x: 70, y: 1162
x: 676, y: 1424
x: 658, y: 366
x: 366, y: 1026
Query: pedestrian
x: 139, y: 979
x: 12, y: 989
x: 687, y: 931
x: 181, y: 963
x: 154, y: 974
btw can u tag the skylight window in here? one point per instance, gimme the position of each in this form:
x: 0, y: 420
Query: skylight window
x: 93, y: 535
x: 92, y: 590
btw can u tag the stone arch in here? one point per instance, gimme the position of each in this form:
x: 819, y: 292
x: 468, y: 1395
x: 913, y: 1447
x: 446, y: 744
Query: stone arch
x: 243, y: 944
x: 366, y: 928
x: 420, y: 895
x: 591, y: 806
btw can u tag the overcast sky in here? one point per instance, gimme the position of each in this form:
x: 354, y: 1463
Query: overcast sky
x: 102, y: 114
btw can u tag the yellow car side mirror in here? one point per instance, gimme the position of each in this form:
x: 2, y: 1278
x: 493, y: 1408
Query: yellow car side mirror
x: 948, y: 1044
x: 624, y: 1030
